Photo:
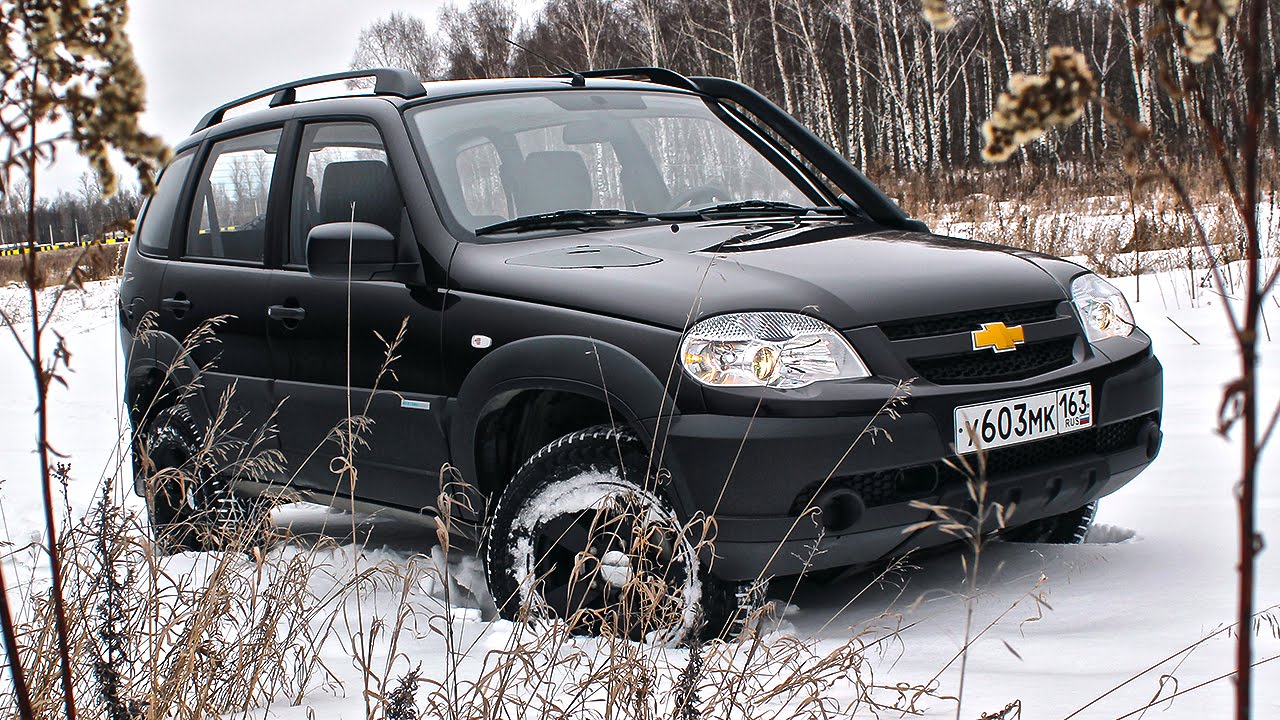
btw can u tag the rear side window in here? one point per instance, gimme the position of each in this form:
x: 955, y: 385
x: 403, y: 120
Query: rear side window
x: 342, y: 174
x: 156, y: 224
x: 229, y: 215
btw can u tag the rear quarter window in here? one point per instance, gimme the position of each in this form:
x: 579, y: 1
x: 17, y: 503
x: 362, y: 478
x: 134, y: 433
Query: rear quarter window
x: 155, y: 229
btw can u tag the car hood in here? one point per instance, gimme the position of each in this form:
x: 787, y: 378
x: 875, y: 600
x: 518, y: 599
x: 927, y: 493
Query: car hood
x: 849, y: 274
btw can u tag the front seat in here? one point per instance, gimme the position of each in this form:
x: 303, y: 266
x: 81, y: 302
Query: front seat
x: 367, y: 183
x: 553, y: 180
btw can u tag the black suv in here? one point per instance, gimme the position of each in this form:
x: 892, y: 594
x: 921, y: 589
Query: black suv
x: 659, y: 330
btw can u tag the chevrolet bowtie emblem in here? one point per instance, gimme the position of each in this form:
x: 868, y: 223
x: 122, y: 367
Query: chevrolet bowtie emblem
x: 998, y: 337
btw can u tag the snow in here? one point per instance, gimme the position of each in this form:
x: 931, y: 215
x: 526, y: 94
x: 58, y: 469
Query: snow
x: 593, y: 490
x: 1156, y: 576
x: 1097, y: 229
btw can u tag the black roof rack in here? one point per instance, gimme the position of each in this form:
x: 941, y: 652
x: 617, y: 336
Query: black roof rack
x: 387, y: 81
x: 659, y: 76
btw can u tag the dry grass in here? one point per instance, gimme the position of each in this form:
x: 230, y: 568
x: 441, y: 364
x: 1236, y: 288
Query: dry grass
x: 1096, y: 214
x: 96, y: 262
x: 238, y: 630
x: 249, y: 627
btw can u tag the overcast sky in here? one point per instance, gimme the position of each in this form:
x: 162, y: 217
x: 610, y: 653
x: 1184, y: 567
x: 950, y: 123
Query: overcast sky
x: 197, y: 55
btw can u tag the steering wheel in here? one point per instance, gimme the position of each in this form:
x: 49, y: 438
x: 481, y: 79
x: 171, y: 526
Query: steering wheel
x: 701, y: 193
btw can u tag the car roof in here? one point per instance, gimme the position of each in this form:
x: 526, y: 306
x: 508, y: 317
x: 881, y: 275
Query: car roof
x: 442, y: 89
x: 433, y: 91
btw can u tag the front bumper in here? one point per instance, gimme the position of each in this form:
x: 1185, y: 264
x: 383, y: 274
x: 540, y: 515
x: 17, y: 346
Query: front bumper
x: 756, y: 475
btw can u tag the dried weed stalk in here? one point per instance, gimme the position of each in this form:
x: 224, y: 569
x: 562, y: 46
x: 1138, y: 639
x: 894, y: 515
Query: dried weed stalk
x: 67, y: 65
x: 1203, y: 22
x: 1024, y: 113
x: 938, y: 14
x: 1034, y: 104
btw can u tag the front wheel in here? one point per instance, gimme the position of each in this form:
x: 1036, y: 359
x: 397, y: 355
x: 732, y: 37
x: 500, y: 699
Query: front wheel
x: 581, y: 535
x: 1069, y: 528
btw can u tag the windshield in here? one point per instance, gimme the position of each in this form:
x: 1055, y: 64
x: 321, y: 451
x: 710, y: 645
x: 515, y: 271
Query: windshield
x: 501, y: 157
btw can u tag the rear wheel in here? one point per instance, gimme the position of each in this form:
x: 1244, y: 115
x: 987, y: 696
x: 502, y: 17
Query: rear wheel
x: 1069, y: 528
x: 190, y: 507
x: 579, y: 535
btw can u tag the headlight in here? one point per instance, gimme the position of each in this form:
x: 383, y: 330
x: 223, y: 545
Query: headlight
x: 768, y: 349
x: 1103, y: 310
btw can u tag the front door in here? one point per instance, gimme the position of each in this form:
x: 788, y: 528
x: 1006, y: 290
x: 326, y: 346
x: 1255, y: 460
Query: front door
x: 350, y: 392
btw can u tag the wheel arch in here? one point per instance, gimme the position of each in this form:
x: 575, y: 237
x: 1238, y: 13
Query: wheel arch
x: 538, y: 389
x: 158, y: 374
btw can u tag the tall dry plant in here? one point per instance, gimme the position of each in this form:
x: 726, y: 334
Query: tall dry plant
x: 62, y: 65
x: 231, y: 632
x: 1035, y: 103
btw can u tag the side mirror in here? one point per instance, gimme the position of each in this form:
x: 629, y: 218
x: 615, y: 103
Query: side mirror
x: 357, y: 250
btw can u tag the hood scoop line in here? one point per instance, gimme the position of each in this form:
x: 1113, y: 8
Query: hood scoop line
x: 585, y: 257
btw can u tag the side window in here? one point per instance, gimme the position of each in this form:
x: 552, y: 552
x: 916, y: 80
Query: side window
x: 156, y: 223
x: 229, y: 215
x: 342, y: 174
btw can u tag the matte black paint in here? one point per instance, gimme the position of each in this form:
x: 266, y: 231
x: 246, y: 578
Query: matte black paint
x: 601, y: 315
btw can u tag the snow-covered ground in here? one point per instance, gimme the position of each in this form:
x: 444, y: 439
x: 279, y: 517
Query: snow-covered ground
x: 1099, y: 232
x: 1157, y: 576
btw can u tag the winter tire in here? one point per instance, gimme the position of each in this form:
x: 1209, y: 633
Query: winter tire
x: 1069, y: 528
x: 579, y: 535
x: 190, y: 507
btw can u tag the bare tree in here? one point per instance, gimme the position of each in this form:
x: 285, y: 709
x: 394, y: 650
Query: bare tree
x: 475, y: 39
x: 399, y: 41
x: 650, y: 17
x: 723, y: 30
x: 866, y: 74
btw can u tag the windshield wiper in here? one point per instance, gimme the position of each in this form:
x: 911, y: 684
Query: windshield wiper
x: 564, y: 219
x: 755, y: 207
x: 587, y: 219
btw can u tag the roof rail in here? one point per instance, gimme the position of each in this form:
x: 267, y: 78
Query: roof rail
x: 659, y: 76
x: 387, y: 81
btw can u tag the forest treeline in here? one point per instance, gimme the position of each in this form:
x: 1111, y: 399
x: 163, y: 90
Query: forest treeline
x: 870, y: 76
x: 70, y: 216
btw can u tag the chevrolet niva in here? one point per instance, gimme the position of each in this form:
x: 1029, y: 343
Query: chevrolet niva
x: 646, y: 330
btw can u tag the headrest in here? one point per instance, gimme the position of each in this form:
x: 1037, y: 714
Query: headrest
x: 367, y: 183
x: 550, y: 181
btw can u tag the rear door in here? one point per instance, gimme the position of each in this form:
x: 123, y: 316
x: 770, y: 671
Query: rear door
x: 342, y: 386
x: 217, y: 288
x: 150, y: 251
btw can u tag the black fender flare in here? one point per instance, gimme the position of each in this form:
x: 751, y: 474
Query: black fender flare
x: 156, y: 354
x: 568, y: 363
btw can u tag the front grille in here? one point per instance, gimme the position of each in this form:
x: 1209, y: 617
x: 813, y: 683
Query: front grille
x: 930, y: 345
x: 969, y: 321
x: 985, y: 366
x: 888, y: 487
x: 1121, y: 435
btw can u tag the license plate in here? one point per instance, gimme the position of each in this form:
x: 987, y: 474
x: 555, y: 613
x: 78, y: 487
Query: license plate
x: 1009, y: 422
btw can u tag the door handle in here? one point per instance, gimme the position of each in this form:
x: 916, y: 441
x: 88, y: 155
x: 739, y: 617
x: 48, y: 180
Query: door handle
x: 178, y: 305
x: 286, y: 314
